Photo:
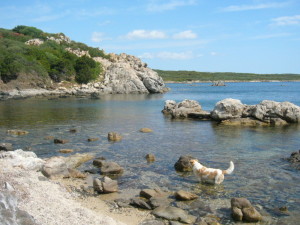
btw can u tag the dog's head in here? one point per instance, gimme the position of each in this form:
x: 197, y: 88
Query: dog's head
x: 193, y: 161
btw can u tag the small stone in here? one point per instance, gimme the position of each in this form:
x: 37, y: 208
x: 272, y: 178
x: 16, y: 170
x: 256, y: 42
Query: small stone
x: 146, y: 130
x: 92, y: 139
x: 109, y: 185
x: 65, y: 151
x: 149, y: 193
x: 60, y: 141
x: 76, y: 173
x: 140, y: 203
x: 17, y: 132
x: 73, y: 130
x: 97, y: 184
x: 150, y: 157
x: 111, y: 168
x: 250, y: 214
x: 113, y: 136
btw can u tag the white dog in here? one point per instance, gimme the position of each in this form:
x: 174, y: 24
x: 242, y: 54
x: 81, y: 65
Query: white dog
x: 210, y: 175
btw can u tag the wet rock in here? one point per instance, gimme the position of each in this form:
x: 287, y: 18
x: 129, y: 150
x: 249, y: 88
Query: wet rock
x: 73, y: 173
x: 60, y: 141
x: 185, y: 196
x: 65, y: 151
x: 228, y: 109
x: 111, y: 168
x: 98, y: 162
x: 186, y: 108
x: 113, y: 136
x: 17, y: 132
x: 106, y: 185
x: 294, y: 159
x: 146, y: 130
x: 246, y: 122
x: 155, y: 202
x: 6, y: 147
x: 173, y: 213
x: 140, y: 203
x: 242, y: 210
x: 92, y: 139
x: 123, y: 203
x: 183, y: 164
x: 150, y: 157
x: 74, y: 161
x: 208, y: 220
x: 149, y: 193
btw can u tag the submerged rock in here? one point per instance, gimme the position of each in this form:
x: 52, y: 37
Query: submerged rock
x: 113, y: 136
x: 294, y: 159
x: 150, y: 158
x: 174, y: 213
x: 242, y: 210
x: 146, y: 130
x: 17, y: 132
x: 185, y: 196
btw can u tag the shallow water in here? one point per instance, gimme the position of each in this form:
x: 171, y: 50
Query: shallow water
x: 260, y: 173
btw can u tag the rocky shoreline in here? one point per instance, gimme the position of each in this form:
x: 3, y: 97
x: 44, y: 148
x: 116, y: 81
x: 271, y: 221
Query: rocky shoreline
x: 234, y: 112
x: 123, y: 74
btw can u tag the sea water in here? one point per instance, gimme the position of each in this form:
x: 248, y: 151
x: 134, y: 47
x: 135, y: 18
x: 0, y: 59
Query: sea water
x: 261, y: 173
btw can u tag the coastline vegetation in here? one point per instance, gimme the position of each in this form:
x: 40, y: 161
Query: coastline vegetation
x: 50, y: 59
x: 191, y: 76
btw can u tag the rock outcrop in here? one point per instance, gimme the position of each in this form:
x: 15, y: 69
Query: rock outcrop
x: 234, y: 112
x: 185, y: 109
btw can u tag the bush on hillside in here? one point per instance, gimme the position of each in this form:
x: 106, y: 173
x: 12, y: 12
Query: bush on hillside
x: 86, y: 70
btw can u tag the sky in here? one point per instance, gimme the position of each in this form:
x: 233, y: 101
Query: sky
x: 253, y: 36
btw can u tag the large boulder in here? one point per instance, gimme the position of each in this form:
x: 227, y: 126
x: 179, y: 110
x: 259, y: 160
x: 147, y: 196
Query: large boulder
x: 269, y: 110
x: 186, y: 108
x: 228, y: 109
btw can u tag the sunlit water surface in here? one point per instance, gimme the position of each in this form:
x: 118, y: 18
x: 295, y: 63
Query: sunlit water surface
x: 261, y: 173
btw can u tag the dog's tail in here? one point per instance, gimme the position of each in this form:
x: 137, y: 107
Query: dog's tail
x: 230, y: 169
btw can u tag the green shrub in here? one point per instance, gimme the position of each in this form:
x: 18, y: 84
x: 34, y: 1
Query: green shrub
x: 86, y: 70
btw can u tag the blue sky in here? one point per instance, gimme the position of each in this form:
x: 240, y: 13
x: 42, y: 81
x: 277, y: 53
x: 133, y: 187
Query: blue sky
x: 259, y: 36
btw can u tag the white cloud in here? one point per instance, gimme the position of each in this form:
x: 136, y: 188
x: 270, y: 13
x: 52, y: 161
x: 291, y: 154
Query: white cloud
x: 98, y: 37
x: 188, y: 34
x: 146, y: 34
x: 214, y: 53
x: 286, y: 20
x: 236, y: 8
x: 155, y: 6
x: 169, y: 55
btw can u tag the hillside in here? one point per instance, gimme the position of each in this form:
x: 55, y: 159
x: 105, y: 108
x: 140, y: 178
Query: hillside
x: 33, y: 59
x: 186, y: 76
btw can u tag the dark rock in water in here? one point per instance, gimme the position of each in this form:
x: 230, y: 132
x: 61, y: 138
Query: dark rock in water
x: 183, y: 164
x: 73, y: 130
x: 6, y: 147
x: 98, y: 161
x: 60, y: 141
x: 92, y: 139
x: 173, y: 213
x: 185, y: 196
x: 295, y: 159
x: 113, y: 136
x: 242, y: 210
x: 140, y: 203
